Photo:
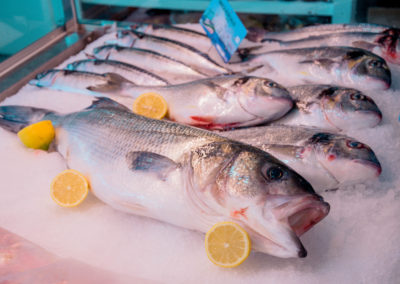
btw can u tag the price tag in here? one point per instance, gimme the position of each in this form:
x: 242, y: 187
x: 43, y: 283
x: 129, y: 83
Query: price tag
x: 223, y: 27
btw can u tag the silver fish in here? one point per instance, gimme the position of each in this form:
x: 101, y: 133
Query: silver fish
x: 172, y: 48
x: 338, y: 65
x: 133, y: 73
x: 182, y: 175
x: 184, y: 35
x: 332, y: 108
x: 317, y: 30
x: 215, y: 103
x: 174, y: 71
x: 384, y: 45
x: 325, y: 159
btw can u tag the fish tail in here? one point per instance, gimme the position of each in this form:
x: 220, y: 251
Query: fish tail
x: 14, y: 118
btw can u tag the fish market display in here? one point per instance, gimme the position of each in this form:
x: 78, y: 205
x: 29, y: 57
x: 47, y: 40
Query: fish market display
x: 382, y: 44
x: 332, y: 108
x: 133, y: 73
x: 181, y: 175
x: 184, y: 35
x: 172, y: 48
x: 325, y: 159
x: 216, y: 103
x: 344, y: 66
x: 174, y: 71
x: 317, y: 30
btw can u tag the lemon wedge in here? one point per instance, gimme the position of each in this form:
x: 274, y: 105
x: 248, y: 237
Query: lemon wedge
x: 38, y: 135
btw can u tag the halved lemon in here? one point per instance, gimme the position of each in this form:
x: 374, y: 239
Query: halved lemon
x: 69, y: 188
x: 227, y: 244
x: 38, y: 135
x: 150, y: 105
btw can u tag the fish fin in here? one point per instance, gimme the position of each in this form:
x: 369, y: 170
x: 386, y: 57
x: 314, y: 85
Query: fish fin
x: 14, y: 118
x: 219, y: 90
x: 114, y: 82
x: 103, y: 102
x: 243, y: 55
x: 114, y: 78
x: 151, y: 162
x: 323, y: 62
x: 303, y: 106
x: 364, y: 45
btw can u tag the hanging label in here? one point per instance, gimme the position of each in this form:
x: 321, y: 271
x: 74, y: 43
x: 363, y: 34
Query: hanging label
x: 223, y: 27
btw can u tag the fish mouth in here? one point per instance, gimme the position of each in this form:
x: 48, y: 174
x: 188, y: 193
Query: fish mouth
x: 375, y: 116
x: 374, y: 165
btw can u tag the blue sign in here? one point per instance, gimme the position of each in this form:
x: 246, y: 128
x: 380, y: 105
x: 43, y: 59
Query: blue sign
x: 223, y: 27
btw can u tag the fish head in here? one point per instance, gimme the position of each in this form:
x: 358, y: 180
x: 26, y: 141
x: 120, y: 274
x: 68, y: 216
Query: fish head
x: 45, y: 79
x: 273, y: 203
x: 368, y: 70
x: 347, y: 108
x: 262, y: 97
x: 347, y: 160
x: 123, y: 38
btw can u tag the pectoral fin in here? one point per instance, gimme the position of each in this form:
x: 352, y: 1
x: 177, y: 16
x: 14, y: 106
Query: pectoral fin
x: 323, y: 62
x: 151, y: 162
x: 113, y: 82
x: 364, y: 45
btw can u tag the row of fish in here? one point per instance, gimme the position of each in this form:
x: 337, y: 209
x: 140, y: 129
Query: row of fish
x: 195, y: 178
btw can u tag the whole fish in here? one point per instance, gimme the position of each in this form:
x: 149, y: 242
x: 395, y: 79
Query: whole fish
x: 325, y: 159
x: 215, y: 103
x: 317, y: 30
x: 133, y: 73
x: 181, y: 34
x: 338, y: 65
x: 185, y: 176
x: 174, y: 71
x: 381, y: 44
x: 172, y: 48
x: 331, y: 108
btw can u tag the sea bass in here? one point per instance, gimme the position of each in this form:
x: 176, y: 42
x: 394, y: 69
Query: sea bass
x: 384, y: 45
x: 172, y: 48
x: 174, y: 71
x: 133, y: 73
x: 338, y: 65
x: 317, y: 30
x: 331, y: 108
x: 325, y: 159
x: 181, y: 34
x: 215, y: 103
x: 181, y: 175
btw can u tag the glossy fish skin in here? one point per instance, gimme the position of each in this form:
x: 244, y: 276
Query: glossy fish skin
x: 176, y: 72
x: 215, y: 103
x: 172, y: 48
x: 182, y: 175
x: 325, y: 159
x: 184, y: 35
x: 338, y: 65
x: 332, y: 108
x: 133, y: 73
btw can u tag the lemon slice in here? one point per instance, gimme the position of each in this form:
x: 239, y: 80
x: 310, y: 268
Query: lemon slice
x: 69, y: 188
x: 227, y: 244
x: 38, y: 135
x: 150, y: 105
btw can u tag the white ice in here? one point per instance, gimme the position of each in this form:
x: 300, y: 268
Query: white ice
x: 356, y: 243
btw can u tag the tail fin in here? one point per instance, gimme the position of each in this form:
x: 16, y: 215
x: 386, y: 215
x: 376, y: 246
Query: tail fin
x: 14, y: 118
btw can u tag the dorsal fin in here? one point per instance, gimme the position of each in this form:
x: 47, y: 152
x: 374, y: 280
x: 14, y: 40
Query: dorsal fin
x: 103, y: 102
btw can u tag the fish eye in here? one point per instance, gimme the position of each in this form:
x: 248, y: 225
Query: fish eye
x: 274, y: 173
x: 270, y: 84
x: 354, y: 144
x: 375, y: 64
x: 357, y: 97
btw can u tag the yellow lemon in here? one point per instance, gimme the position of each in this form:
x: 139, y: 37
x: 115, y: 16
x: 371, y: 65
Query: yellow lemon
x: 150, y: 105
x: 38, y: 135
x: 227, y: 244
x: 69, y: 188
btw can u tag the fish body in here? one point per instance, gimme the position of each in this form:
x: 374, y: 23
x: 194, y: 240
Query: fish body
x: 171, y: 48
x: 185, y: 176
x: 382, y: 44
x: 331, y: 108
x: 338, y: 65
x: 181, y: 34
x: 174, y: 71
x: 215, y: 103
x: 325, y: 159
x: 133, y: 73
